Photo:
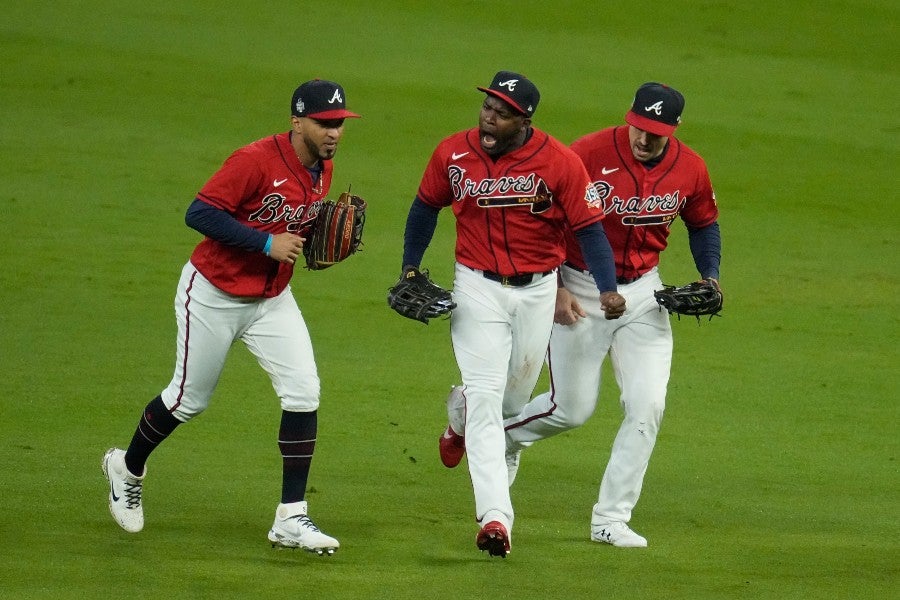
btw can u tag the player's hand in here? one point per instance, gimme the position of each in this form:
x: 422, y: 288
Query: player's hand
x: 286, y: 247
x: 613, y: 304
x: 568, y: 310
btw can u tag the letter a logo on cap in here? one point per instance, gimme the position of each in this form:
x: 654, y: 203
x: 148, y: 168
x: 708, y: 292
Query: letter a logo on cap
x: 336, y: 97
x: 657, y: 108
x: 510, y: 83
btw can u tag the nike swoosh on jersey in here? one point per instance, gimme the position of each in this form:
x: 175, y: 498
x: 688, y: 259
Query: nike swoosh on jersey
x: 606, y: 171
x: 278, y: 182
x: 456, y: 156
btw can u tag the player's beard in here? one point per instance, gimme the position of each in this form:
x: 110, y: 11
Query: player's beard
x: 323, y: 151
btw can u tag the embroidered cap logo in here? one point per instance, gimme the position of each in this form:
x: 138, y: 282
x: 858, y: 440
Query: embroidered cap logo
x: 657, y: 108
x: 509, y: 83
x: 336, y: 97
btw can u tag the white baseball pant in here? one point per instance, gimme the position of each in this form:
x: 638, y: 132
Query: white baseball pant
x: 210, y: 321
x: 640, y: 348
x: 500, y: 337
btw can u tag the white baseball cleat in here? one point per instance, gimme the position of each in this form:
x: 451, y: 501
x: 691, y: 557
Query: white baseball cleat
x: 294, y: 529
x: 618, y: 534
x: 124, y: 491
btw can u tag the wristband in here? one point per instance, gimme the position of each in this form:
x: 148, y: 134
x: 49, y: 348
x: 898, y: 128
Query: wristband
x: 268, y: 247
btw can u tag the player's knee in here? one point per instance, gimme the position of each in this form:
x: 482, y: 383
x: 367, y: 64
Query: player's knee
x: 185, y: 412
x: 299, y: 404
x: 301, y: 399
x: 301, y: 395
x: 575, y: 416
x: 185, y: 407
x: 648, y: 411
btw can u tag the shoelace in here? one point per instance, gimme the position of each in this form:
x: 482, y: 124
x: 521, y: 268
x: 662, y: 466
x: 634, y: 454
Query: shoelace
x: 305, y: 521
x: 133, y: 493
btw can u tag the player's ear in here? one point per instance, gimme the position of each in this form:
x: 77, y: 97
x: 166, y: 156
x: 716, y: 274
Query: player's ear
x: 296, y: 124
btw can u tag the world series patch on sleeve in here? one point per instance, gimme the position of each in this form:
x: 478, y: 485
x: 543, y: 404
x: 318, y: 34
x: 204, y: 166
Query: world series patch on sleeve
x: 336, y: 233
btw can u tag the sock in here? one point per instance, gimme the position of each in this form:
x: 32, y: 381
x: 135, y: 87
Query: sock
x: 297, y: 442
x: 155, y: 425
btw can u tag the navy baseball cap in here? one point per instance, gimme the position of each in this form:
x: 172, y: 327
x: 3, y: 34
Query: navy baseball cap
x: 516, y: 90
x: 320, y: 99
x: 656, y: 108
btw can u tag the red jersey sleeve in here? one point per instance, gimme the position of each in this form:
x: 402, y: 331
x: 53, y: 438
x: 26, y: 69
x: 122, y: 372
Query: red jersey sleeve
x: 700, y: 207
x: 239, y: 177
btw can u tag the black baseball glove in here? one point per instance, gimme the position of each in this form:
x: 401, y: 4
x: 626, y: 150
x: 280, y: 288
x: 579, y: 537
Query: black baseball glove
x: 336, y: 233
x: 696, y: 299
x: 415, y: 296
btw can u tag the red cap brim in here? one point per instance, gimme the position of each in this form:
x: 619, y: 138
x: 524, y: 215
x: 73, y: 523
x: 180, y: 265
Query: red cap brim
x: 505, y: 98
x: 327, y: 115
x: 649, y: 125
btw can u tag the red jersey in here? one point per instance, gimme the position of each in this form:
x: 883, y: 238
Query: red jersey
x: 510, y: 214
x: 263, y: 185
x: 640, y: 204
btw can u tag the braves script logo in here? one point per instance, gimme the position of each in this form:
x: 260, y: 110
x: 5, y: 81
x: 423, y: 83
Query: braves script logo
x: 275, y: 208
x: 336, y: 97
x: 490, y: 192
x: 637, y: 211
x: 509, y: 83
x: 657, y: 108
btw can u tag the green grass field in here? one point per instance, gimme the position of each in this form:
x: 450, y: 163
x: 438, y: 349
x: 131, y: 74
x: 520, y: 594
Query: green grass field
x: 775, y: 474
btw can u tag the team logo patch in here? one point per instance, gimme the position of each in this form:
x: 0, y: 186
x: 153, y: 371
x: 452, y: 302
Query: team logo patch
x: 656, y: 108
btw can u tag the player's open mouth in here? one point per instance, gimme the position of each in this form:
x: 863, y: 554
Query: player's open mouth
x: 488, y: 141
x: 642, y: 150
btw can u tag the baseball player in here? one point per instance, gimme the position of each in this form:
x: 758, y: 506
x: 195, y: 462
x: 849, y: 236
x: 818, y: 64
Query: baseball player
x: 254, y: 211
x: 645, y: 178
x: 514, y: 190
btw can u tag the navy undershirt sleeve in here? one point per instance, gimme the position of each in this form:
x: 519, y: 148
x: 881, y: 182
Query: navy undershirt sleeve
x: 598, y: 255
x: 706, y: 248
x: 420, y: 225
x: 219, y: 225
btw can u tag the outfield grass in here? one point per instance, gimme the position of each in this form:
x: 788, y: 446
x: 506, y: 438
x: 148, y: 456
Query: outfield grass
x: 776, y: 470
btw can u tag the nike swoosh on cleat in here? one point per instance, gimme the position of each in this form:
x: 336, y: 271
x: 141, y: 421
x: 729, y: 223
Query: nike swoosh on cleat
x: 112, y: 492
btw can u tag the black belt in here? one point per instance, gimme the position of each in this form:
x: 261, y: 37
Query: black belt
x: 514, y: 280
x: 619, y: 280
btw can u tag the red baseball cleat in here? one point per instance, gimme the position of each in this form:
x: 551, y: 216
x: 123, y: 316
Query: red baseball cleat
x: 452, y: 447
x: 493, y: 538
